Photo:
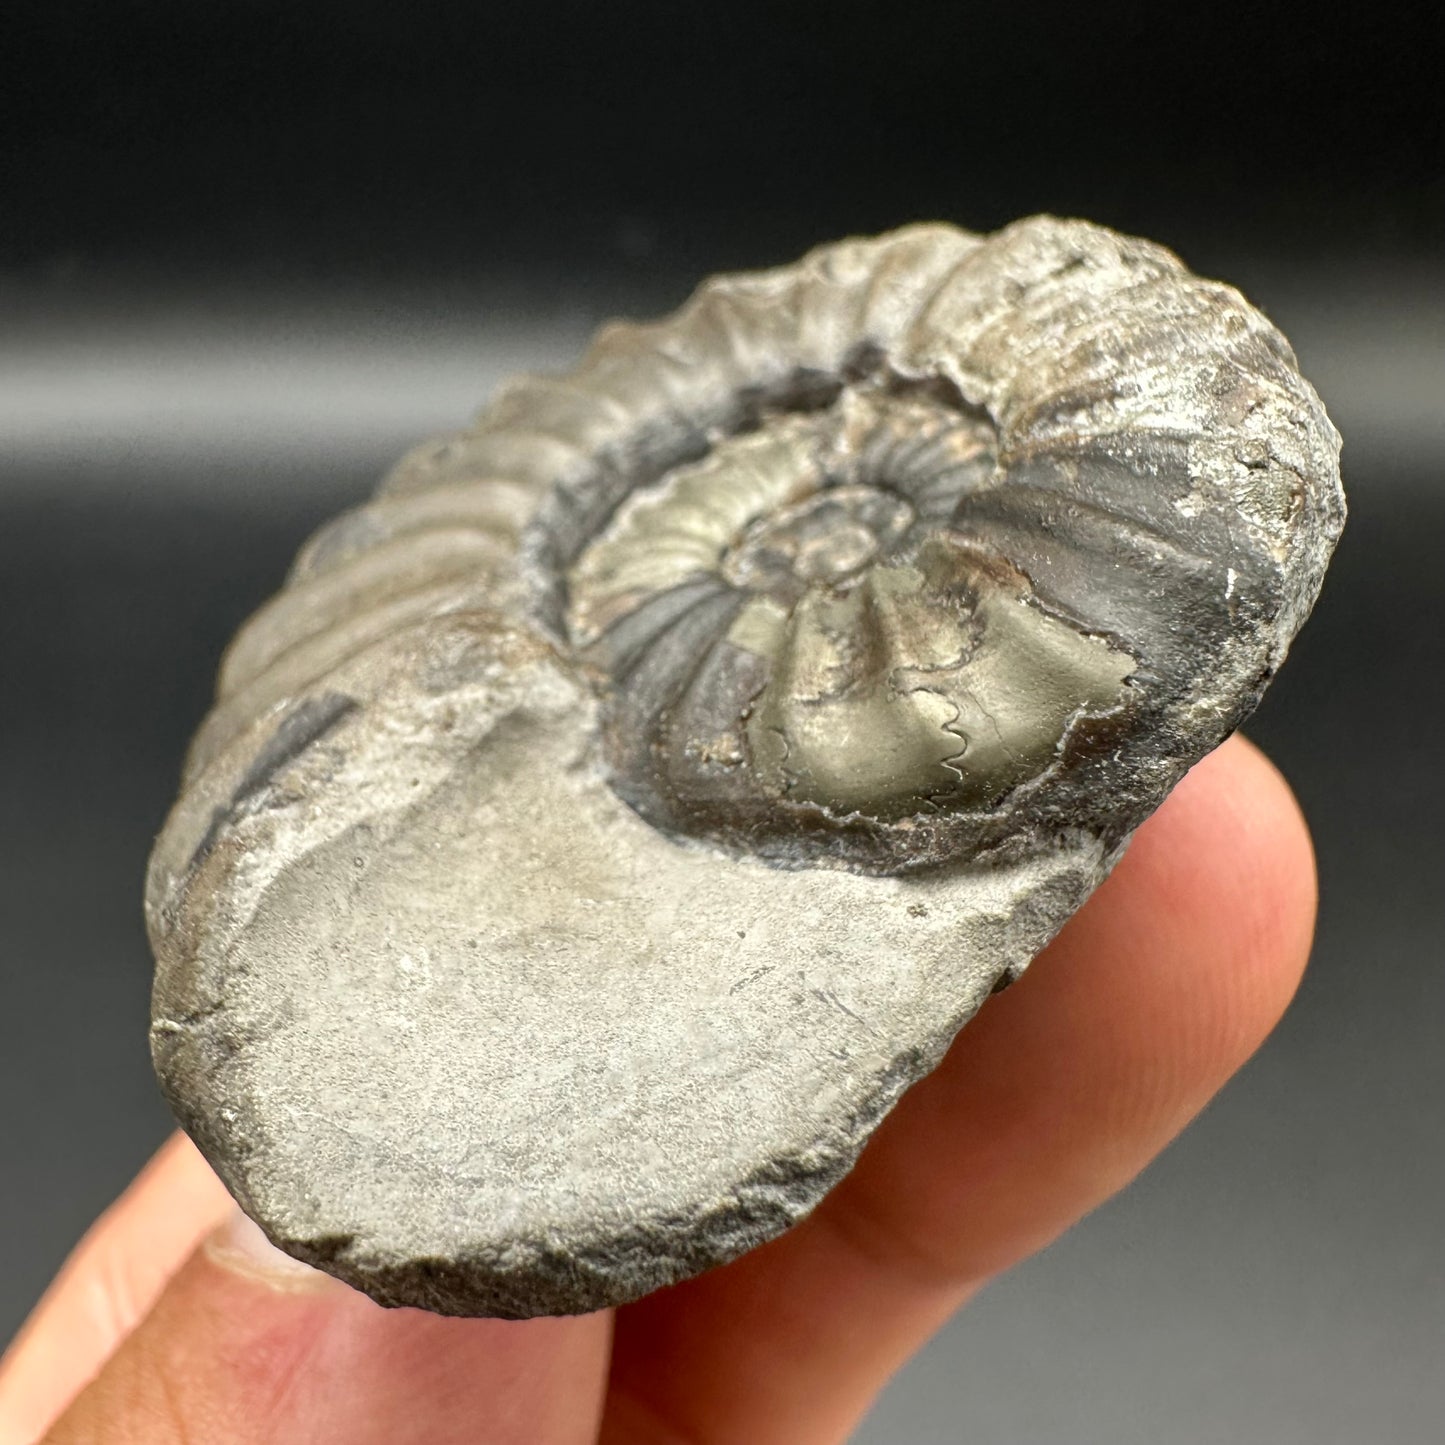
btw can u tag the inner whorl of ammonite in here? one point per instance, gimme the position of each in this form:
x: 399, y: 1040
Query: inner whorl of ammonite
x: 803, y: 653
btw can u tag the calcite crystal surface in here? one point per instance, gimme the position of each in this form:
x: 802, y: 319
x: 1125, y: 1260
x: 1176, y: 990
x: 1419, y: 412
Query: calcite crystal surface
x: 611, y: 819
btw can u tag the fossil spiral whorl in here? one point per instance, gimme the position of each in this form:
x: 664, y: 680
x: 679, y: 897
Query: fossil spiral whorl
x: 915, y: 550
x: 805, y: 656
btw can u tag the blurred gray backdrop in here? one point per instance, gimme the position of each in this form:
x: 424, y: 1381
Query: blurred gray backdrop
x: 249, y: 254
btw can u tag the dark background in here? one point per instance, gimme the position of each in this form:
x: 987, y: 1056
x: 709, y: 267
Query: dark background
x: 249, y: 252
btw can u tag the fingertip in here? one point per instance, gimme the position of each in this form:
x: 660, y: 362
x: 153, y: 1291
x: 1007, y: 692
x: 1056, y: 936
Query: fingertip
x: 1280, y: 854
x: 1222, y: 879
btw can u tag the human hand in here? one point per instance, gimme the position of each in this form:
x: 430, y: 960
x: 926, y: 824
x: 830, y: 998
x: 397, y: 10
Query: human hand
x: 191, y: 1330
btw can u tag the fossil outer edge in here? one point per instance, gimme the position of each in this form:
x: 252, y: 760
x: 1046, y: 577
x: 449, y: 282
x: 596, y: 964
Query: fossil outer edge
x: 611, y: 819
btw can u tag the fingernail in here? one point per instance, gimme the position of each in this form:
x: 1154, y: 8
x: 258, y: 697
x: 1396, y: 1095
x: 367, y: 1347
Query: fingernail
x: 240, y: 1246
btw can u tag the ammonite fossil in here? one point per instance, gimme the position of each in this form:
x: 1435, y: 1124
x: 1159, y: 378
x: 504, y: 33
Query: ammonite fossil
x: 609, y: 821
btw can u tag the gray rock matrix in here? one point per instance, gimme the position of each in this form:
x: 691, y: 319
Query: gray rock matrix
x: 610, y: 820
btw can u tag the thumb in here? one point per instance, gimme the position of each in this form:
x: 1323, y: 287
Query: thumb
x: 248, y: 1345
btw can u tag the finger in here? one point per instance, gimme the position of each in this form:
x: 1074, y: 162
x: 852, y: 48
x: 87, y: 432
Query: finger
x: 1053, y: 1099
x: 246, y: 1346
x: 110, y: 1281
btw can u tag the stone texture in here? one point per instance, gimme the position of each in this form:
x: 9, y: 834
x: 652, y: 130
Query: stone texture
x: 609, y: 822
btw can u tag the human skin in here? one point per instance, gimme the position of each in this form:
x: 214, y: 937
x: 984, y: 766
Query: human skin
x: 174, y: 1323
